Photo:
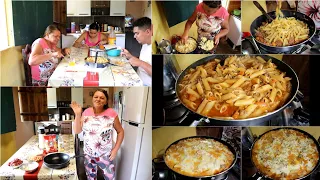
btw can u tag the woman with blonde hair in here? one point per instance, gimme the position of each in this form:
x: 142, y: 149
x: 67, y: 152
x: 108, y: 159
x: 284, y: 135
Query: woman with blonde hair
x: 45, y: 54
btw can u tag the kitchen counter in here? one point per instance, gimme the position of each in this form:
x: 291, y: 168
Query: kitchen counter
x: 31, y: 148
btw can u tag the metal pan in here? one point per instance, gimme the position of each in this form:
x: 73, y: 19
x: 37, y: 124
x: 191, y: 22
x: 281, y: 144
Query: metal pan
x: 221, y: 174
x: 259, y: 175
x: 192, y: 52
x: 58, y: 160
x: 302, y: 17
x: 249, y: 121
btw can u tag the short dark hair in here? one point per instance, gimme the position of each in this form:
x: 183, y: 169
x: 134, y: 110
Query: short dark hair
x: 143, y: 23
x: 212, y: 3
x: 94, y: 26
x: 106, y: 94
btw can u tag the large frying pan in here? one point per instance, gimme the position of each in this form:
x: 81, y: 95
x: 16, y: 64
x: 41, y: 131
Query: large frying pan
x: 57, y: 160
x: 249, y: 121
x: 302, y: 17
x: 260, y: 175
x: 216, y: 176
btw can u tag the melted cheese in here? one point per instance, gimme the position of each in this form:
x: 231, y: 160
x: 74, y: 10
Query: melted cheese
x: 199, y: 157
x: 285, y: 154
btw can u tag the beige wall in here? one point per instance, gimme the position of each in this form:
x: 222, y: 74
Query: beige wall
x: 25, y: 130
x: 160, y: 25
x: 249, y: 13
x: 164, y: 136
x: 11, y: 67
x: 146, y: 10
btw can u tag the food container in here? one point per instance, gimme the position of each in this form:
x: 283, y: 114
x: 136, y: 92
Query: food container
x: 114, y: 53
x: 50, y: 143
x: 95, y: 65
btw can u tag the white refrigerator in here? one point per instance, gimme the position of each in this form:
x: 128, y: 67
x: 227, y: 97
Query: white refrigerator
x: 134, y: 161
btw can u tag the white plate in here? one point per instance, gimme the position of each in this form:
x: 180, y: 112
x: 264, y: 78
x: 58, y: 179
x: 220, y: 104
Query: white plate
x: 30, y: 167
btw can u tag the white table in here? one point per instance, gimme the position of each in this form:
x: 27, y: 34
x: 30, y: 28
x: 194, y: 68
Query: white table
x: 65, y: 75
x: 30, y: 148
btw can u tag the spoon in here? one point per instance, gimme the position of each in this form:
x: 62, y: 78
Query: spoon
x: 263, y: 11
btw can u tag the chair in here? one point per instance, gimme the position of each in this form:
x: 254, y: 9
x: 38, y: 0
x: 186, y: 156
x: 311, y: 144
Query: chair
x: 27, y: 68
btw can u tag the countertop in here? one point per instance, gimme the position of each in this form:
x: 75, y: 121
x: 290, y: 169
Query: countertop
x: 101, y: 32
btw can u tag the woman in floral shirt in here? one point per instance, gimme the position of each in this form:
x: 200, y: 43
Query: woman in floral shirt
x: 97, y: 124
x: 44, y: 56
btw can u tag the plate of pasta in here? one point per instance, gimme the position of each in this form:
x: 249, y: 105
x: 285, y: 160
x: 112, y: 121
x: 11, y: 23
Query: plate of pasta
x: 286, y: 32
x: 189, y: 46
x: 237, y: 89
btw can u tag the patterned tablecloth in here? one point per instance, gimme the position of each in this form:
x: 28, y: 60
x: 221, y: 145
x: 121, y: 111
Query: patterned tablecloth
x: 31, y: 148
x: 66, y: 75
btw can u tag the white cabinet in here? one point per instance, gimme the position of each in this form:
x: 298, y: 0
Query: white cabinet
x: 77, y: 95
x: 121, y: 40
x: 78, y: 8
x: 117, y: 8
x: 52, y: 97
x: 134, y: 104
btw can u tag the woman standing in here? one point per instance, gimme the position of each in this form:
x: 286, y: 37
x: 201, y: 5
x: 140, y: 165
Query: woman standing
x: 212, y: 21
x: 91, y: 38
x: 44, y: 56
x: 97, y: 124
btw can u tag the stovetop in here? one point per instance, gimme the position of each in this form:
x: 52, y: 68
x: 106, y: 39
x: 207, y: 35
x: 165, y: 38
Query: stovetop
x: 161, y: 171
x: 310, y: 47
x: 176, y: 114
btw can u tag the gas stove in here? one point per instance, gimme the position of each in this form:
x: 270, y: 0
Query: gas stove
x: 176, y: 114
x: 310, y: 47
x: 160, y: 171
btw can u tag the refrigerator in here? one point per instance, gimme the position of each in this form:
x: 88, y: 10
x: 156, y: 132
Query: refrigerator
x: 134, y: 161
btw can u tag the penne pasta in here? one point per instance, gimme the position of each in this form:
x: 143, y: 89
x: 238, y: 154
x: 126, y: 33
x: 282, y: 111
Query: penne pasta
x: 256, y: 74
x: 192, y: 92
x: 244, y: 102
x: 190, y: 104
x: 228, y: 96
x: 208, y: 107
x: 249, y: 110
x: 206, y: 85
x: 199, y: 88
x: 238, y: 82
x: 223, y: 108
x: 202, y: 105
x: 273, y: 94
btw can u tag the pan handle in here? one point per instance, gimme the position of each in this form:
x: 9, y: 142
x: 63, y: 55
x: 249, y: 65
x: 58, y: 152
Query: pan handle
x: 76, y: 156
x: 256, y: 176
x: 262, y: 10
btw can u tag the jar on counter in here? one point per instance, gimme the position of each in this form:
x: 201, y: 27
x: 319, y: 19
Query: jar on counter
x: 73, y: 27
x: 41, y: 134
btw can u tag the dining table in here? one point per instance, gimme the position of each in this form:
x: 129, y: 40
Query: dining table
x: 31, y: 148
x: 74, y: 71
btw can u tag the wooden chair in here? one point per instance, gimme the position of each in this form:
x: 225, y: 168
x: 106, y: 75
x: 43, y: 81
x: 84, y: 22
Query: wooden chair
x: 27, y: 68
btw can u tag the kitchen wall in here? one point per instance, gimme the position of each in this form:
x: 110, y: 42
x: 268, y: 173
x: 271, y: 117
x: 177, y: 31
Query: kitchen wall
x: 25, y: 130
x: 164, y: 136
x: 160, y: 25
x: 146, y: 6
x: 8, y: 146
x: 12, y: 66
x: 134, y: 9
x: 249, y: 13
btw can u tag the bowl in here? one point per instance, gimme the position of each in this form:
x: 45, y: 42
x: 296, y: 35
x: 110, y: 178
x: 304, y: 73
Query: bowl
x: 99, y: 65
x: 30, y: 167
x: 114, y: 52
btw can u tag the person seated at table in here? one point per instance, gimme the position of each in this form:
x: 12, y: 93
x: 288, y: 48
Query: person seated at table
x: 91, y: 38
x: 97, y: 124
x: 44, y: 56
x: 142, y: 30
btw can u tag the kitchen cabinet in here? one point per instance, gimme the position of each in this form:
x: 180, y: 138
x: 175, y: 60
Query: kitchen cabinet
x: 33, y: 104
x: 100, y: 4
x: 134, y: 108
x: 78, y: 8
x: 117, y: 8
x: 64, y: 94
x: 52, y: 97
x: 77, y: 95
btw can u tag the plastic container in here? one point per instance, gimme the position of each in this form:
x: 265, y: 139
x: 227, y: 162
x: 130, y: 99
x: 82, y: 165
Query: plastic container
x: 41, y: 133
x: 60, y: 144
x: 114, y: 53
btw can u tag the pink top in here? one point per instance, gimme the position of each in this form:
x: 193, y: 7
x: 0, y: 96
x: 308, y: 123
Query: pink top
x: 42, y: 72
x: 210, y: 25
x: 97, y: 132
x: 90, y: 44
